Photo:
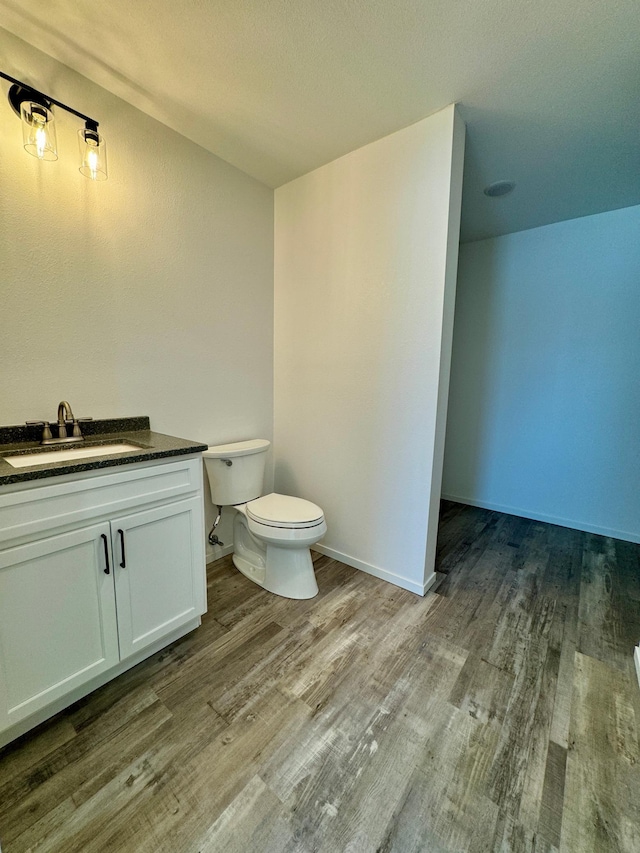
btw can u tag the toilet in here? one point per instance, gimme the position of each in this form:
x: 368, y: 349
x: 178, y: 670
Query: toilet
x: 272, y: 534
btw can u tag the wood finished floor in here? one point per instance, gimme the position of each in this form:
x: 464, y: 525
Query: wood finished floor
x: 499, y: 713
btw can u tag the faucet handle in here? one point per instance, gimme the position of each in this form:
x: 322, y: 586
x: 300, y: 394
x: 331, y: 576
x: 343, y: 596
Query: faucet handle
x: 46, y: 432
x: 77, y: 433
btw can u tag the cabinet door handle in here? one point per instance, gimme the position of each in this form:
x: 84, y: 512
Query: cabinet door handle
x: 123, y: 564
x: 106, y: 553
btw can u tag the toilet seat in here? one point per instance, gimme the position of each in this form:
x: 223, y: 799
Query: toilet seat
x: 284, y: 511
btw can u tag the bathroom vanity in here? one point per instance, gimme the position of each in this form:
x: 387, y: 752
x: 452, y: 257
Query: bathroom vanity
x: 102, y: 563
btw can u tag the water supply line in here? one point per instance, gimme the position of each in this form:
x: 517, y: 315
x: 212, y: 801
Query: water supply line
x: 213, y: 538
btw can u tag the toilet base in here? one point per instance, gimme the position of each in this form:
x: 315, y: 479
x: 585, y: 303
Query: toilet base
x: 293, y: 576
x: 254, y: 573
x: 287, y: 571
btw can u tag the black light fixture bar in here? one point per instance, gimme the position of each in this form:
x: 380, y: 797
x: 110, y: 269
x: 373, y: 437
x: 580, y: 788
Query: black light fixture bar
x: 91, y: 123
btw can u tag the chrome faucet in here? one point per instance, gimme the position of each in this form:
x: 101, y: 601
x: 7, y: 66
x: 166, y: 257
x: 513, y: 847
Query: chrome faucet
x: 64, y: 414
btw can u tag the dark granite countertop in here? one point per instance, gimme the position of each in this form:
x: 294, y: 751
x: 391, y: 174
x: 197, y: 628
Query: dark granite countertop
x: 18, y: 440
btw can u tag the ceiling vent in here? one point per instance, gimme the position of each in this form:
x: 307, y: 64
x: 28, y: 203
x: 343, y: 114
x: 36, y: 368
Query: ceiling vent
x: 498, y: 188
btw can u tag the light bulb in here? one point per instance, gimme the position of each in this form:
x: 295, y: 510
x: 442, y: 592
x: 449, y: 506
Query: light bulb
x: 93, y: 154
x: 92, y: 162
x: 38, y: 131
x: 41, y: 141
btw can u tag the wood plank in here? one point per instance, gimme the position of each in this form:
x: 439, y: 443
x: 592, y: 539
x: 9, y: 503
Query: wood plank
x: 483, y: 691
x: 394, y: 747
x: 466, y: 609
x: 337, y: 765
x: 443, y: 805
x: 551, y: 806
x: 602, y: 787
x: 523, y: 731
x: 525, y: 612
x: 227, y: 660
x: 142, y: 703
x: 566, y: 564
x: 192, y: 796
x: 458, y: 532
x: 40, y: 830
x: 244, y: 693
x: 70, y: 768
x: 17, y: 758
x: 609, y: 614
x: 511, y: 837
x: 254, y: 820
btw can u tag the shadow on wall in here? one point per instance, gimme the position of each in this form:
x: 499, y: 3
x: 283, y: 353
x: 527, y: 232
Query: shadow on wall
x: 285, y: 481
x: 476, y: 321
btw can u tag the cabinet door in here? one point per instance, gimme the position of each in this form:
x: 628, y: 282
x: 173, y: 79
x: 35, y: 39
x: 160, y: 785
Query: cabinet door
x: 57, y: 619
x: 159, y: 572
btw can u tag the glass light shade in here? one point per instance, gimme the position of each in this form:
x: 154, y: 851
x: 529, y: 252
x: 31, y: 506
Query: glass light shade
x: 93, y: 154
x: 38, y: 131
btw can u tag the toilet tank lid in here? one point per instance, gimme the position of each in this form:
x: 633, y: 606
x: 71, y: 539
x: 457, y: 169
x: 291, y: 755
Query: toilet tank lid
x: 237, y: 448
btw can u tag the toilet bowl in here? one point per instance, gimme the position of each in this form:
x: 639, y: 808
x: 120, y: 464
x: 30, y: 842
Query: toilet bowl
x: 272, y: 534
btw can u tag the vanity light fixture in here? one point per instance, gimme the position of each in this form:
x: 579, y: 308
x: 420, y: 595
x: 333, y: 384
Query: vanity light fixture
x: 39, y: 132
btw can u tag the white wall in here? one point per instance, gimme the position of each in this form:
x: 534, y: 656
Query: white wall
x: 363, y: 250
x: 544, y: 410
x: 149, y: 294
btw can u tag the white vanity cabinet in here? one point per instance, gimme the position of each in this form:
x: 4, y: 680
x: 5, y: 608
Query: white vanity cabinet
x: 57, y: 619
x: 157, y: 590
x: 97, y: 571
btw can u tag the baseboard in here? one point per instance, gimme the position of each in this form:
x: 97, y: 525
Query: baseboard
x: 216, y: 552
x: 636, y: 658
x: 429, y: 582
x: 549, y: 519
x: 377, y: 572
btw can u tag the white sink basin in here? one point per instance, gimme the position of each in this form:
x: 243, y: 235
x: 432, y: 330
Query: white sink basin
x: 44, y: 458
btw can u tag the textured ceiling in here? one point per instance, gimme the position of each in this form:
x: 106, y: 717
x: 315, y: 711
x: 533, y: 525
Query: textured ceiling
x: 549, y: 89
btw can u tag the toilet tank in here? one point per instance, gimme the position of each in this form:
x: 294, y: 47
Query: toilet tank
x: 236, y: 471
